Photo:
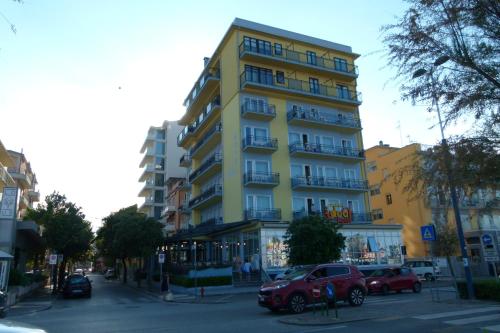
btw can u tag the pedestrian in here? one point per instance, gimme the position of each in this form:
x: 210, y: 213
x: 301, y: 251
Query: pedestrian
x: 247, y: 269
x: 237, y: 266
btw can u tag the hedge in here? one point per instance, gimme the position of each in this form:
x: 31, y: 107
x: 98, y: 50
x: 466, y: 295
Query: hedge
x: 483, y: 289
x: 187, y: 282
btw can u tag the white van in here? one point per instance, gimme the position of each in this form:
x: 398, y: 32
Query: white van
x: 424, y: 269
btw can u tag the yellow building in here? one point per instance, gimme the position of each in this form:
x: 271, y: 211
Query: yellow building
x: 391, y: 206
x: 272, y: 133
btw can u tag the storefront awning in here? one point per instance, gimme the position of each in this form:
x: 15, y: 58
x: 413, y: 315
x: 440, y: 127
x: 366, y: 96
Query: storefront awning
x: 203, y: 231
x: 5, y: 255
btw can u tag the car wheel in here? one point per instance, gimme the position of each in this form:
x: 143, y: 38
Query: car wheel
x: 356, y: 296
x: 297, y: 303
x: 428, y: 276
x: 417, y: 287
x: 385, y: 289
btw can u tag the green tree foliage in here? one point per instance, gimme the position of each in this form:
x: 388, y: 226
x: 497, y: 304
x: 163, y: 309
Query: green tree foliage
x: 65, y: 230
x: 313, y: 240
x: 128, y: 234
x: 466, y: 31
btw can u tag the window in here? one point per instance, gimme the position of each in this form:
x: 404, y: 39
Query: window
x: 257, y: 45
x: 258, y: 74
x: 298, y: 204
x: 280, y: 77
x: 377, y: 214
x: 254, y: 167
x: 375, y: 190
x: 160, y: 148
x: 388, y: 199
x: 259, y: 202
x: 159, y: 179
x: 158, y: 196
x: 320, y: 273
x: 342, y: 91
x: 160, y: 134
x: 371, y: 166
x: 313, y: 85
x: 278, y: 49
x: 311, y: 57
x: 157, y: 212
x: 293, y: 138
x: 353, y: 205
x: 335, y: 271
x: 349, y: 174
x: 340, y: 65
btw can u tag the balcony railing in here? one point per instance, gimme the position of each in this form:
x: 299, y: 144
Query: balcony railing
x: 329, y: 150
x: 259, y: 142
x: 212, y: 221
x: 213, y: 191
x: 206, y: 137
x: 265, y: 178
x: 301, y: 58
x: 211, y: 161
x: 262, y: 109
x: 273, y: 214
x: 298, y: 86
x: 204, y: 115
x: 209, y: 74
x: 185, y: 160
x: 329, y: 183
x: 357, y: 218
x: 323, y: 118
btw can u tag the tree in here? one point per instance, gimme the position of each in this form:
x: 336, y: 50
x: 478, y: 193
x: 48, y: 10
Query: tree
x: 313, y: 240
x: 467, y: 32
x: 128, y: 234
x: 65, y: 230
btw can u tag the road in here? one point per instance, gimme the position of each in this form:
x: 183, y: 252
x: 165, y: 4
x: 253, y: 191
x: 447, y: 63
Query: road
x: 117, y: 308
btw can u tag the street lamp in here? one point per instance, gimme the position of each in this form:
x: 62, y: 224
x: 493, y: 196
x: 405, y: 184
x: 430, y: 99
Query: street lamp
x: 447, y: 159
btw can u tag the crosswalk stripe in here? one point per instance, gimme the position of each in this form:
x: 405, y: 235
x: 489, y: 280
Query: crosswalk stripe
x: 457, y: 313
x: 495, y: 328
x: 471, y: 320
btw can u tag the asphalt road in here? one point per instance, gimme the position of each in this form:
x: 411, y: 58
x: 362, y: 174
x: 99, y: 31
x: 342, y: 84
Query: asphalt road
x: 117, y: 308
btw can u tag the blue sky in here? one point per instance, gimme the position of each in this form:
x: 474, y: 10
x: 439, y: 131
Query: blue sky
x: 60, y: 73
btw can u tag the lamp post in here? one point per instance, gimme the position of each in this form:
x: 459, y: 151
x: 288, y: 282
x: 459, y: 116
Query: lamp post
x: 448, y: 165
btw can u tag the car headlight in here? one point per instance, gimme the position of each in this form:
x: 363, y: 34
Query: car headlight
x: 374, y: 282
x: 282, y: 285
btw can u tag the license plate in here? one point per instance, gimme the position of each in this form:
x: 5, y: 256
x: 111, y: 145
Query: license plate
x: 77, y: 291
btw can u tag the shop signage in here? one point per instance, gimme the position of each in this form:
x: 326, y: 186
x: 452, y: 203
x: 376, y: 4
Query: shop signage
x: 343, y: 216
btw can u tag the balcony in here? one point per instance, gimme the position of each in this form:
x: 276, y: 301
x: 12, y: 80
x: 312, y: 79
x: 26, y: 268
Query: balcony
x: 185, y: 161
x: 357, y: 218
x: 207, y: 142
x: 210, y: 196
x: 169, y: 210
x: 209, y: 112
x: 257, y: 179
x: 315, y: 119
x: 309, y: 150
x: 212, y: 221
x: 263, y: 214
x: 328, y: 184
x: 293, y: 59
x: 259, y: 144
x: 34, y: 195
x: 5, y: 177
x: 148, y: 187
x: 207, y: 169
x: 24, y: 202
x: 148, y: 157
x: 258, y: 111
x: 293, y: 87
x: 184, y: 208
x: 169, y: 227
x: 20, y: 177
x: 202, y: 88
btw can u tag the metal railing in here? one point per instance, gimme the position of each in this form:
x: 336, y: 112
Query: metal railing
x: 259, y: 108
x: 261, y: 177
x: 259, y: 142
x: 272, y: 214
x: 205, y: 138
x: 185, y: 159
x: 208, y: 74
x: 326, y: 149
x: 195, y: 125
x: 300, y: 86
x: 212, y: 221
x: 324, y: 118
x: 212, y: 191
x: 327, y: 182
x: 212, y: 160
x: 302, y: 58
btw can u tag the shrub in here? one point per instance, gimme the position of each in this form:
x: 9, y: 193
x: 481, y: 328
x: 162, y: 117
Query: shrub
x: 16, y: 278
x: 483, y: 289
x: 187, y: 282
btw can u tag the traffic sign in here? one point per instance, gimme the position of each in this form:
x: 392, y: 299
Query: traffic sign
x: 330, y: 291
x: 491, y: 259
x: 53, y: 259
x: 161, y: 258
x: 428, y: 232
x: 487, y: 239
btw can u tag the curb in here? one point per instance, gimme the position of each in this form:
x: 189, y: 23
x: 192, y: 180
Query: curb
x: 45, y: 308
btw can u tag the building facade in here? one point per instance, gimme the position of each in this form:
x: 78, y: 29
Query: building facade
x: 176, y: 212
x: 479, y: 212
x: 272, y: 133
x: 160, y: 161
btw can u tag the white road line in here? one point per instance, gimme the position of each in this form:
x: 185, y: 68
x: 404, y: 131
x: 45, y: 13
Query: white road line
x: 495, y: 328
x: 457, y: 313
x: 324, y: 329
x: 471, y: 320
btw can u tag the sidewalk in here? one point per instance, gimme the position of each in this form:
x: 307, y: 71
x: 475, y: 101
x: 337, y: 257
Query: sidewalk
x: 39, y: 300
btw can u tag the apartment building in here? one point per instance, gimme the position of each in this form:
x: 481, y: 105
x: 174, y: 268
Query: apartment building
x: 480, y: 213
x: 177, y: 211
x: 159, y: 162
x: 272, y: 133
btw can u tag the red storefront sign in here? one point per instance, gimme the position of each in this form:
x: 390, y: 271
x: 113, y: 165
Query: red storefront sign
x: 343, y: 216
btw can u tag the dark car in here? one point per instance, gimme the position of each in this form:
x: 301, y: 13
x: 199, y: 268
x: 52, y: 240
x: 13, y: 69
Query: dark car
x: 295, y: 291
x: 397, y: 279
x: 77, y: 285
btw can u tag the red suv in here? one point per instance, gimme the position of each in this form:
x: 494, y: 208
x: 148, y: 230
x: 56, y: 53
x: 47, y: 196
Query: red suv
x: 295, y: 291
x: 393, y: 278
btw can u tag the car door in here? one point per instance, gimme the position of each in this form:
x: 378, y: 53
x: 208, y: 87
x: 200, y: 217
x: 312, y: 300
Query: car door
x: 406, y: 278
x: 318, y: 279
x: 395, y: 279
x: 340, y: 277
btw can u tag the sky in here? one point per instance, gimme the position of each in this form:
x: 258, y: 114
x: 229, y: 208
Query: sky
x: 82, y: 81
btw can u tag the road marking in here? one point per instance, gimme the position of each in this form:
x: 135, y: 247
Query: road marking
x: 457, y: 313
x: 495, y: 328
x: 324, y: 329
x: 389, y: 318
x: 471, y: 320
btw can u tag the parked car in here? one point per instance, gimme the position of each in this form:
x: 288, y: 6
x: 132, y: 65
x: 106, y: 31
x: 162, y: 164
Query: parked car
x: 424, y: 269
x: 397, y: 279
x: 295, y: 291
x: 78, y: 271
x: 77, y: 285
x: 110, y: 274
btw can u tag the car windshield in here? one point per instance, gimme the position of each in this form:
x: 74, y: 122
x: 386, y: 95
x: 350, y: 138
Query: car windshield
x: 297, y: 273
x: 378, y: 273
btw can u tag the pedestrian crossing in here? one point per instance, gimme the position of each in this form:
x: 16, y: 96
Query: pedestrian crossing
x: 484, y: 315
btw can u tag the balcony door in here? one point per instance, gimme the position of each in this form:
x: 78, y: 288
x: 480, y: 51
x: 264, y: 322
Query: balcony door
x: 353, y: 205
